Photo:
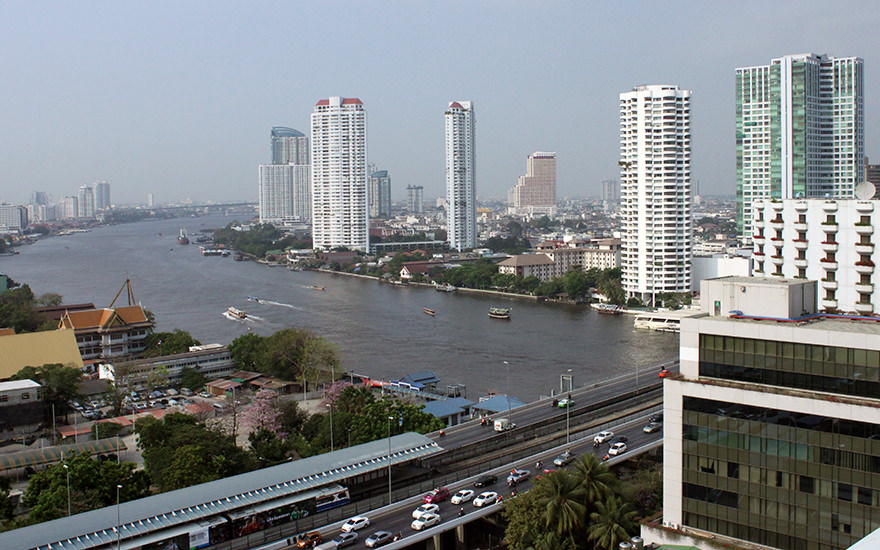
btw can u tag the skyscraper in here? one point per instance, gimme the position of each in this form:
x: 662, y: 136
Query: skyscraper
x: 285, y: 194
x: 69, y: 208
x: 461, y: 176
x: 102, y: 195
x: 535, y: 192
x: 86, y: 201
x: 289, y: 146
x: 339, y: 174
x: 655, y: 191
x: 415, y: 199
x: 380, y: 194
x: 800, y: 130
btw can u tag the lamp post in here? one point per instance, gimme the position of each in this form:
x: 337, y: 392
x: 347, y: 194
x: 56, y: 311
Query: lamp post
x: 118, y: 522
x: 567, y: 407
x: 67, y: 471
x: 509, y: 417
x: 330, y: 405
x: 390, y: 418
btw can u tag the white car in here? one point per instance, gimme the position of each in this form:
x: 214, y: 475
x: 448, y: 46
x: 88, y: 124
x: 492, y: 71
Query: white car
x: 425, y: 522
x: 617, y: 449
x: 602, y: 437
x: 462, y: 496
x: 486, y: 499
x: 425, y: 509
x: 355, y: 524
x: 518, y: 475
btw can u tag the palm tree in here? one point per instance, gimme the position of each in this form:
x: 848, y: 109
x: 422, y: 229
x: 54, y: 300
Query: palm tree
x: 612, y: 523
x: 561, y: 497
x: 594, y: 477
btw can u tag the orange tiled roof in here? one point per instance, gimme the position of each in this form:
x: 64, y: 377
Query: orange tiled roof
x: 103, y: 318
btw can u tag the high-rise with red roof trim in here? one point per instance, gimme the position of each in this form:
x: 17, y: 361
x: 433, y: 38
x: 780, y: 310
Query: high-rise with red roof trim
x: 461, y: 176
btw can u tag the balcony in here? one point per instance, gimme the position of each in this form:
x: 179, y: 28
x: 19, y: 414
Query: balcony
x: 801, y: 206
x: 777, y: 260
x: 829, y: 206
x: 829, y: 246
x: 864, y: 248
x: 776, y: 205
x: 801, y: 244
x: 864, y: 288
x: 830, y: 227
x: 777, y: 224
x: 864, y: 228
x: 758, y: 239
x: 800, y: 227
x: 864, y: 309
x: 828, y: 265
x: 829, y: 304
x: 864, y: 206
x: 864, y: 268
x: 759, y: 224
x: 801, y: 264
x: 829, y: 285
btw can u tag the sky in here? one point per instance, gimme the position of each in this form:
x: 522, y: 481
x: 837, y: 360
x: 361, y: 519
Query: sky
x: 178, y: 98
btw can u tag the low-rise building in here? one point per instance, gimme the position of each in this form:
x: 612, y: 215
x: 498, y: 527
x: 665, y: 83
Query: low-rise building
x: 108, y: 333
x: 35, y: 349
x: 529, y: 265
x: 211, y: 360
x: 20, y: 408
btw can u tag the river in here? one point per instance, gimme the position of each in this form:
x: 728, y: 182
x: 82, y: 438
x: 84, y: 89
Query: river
x: 379, y: 330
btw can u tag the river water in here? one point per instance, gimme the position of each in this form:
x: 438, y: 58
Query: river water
x: 379, y: 330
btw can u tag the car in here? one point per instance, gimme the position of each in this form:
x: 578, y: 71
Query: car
x: 565, y: 402
x: 344, y: 539
x: 462, y: 496
x: 425, y: 522
x: 378, y: 538
x: 652, y: 427
x: 425, y: 509
x: 563, y: 459
x: 186, y: 392
x: 663, y: 373
x: 486, y: 499
x: 437, y: 495
x: 545, y: 472
x: 617, y: 449
x: 516, y: 476
x: 602, y: 437
x: 309, y: 540
x: 656, y: 417
x: 619, y: 439
x: 486, y: 480
x: 355, y: 524
x: 204, y: 394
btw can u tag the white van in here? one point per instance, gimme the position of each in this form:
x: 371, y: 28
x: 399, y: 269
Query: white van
x: 503, y: 424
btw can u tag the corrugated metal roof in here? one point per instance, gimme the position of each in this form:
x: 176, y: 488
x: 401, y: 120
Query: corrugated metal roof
x: 51, y: 455
x: 166, y: 510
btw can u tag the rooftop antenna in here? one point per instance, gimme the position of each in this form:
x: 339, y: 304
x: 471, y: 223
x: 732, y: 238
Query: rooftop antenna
x: 125, y: 286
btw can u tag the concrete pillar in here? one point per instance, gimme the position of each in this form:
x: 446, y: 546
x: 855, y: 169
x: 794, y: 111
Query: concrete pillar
x: 460, y: 537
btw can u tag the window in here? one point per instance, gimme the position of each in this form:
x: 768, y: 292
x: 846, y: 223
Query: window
x: 807, y: 485
x: 25, y: 395
x: 844, y: 492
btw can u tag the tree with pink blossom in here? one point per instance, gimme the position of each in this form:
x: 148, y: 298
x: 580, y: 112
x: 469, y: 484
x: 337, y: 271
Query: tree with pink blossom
x: 263, y: 414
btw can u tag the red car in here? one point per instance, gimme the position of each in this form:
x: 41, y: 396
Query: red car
x: 663, y: 373
x: 437, y: 495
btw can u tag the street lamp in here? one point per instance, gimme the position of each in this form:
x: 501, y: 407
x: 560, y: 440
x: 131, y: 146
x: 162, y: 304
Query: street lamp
x: 568, y: 406
x: 390, y: 418
x: 331, y: 426
x: 67, y: 471
x: 509, y: 417
x: 118, y: 522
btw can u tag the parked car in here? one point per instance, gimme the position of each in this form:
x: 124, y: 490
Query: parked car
x: 378, y: 538
x: 486, y: 480
x: 204, y: 394
x: 186, y: 392
x: 652, y: 427
x: 437, y: 495
x: 617, y: 449
x: 344, y: 539
x: 486, y: 499
x: 462, y: 496
x: 425, y: 522
x: 516, y: 476
x: 355, y: 524
x: 425, y: 509
x: 563, y: 459
x: 602, y: 437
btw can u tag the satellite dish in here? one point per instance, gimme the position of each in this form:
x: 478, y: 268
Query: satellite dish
x: 865, y: 191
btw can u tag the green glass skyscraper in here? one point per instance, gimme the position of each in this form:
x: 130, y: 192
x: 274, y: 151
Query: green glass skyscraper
x: 800, y: 130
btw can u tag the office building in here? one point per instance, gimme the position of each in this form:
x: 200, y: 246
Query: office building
x: 655, y: 191
x: 800, y: 130
x: 872, y: 174
x: 102, y: 195
x: 40, y: 213
x: 339, y: 174
x: 535, y: 192
x: 289, y: 146
x: 771, y: 431
x: 151, y: 200
x: 69, y: 208
x: 86, y: 202
x: 415, y: 199
x: 13, y: 218
x: 380, y: 194
x: 461, y: 176
x: 40, y: 197
x: 284, y: 193
x: 826, y: 240
x: 610, y: 194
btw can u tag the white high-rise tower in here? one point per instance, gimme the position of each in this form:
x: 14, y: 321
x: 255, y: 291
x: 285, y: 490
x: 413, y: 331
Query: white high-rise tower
x: 461, y: 176
x: 655, y: 191
x: 339, y: 174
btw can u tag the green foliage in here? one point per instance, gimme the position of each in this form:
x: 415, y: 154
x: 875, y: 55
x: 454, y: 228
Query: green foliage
x: 645, y: 488
x: 50, y: 299
x: 472, y: 275
x: 634, y: 302
x: 290, y: 354
x: 246, y: 351
x: 168, y: 343
x: 60, y: 384
x: 104, y: 430
x: 92, y: 485
x: 17, y: 309
x: 7, y: 509
x: 508, y: 245
x: 576, y: 284
x: 258, y: 240
x: 179, y: 451
x: 192, y: 378
x: 267, y: 448
x: 292, y: 417
x: 612, y: 523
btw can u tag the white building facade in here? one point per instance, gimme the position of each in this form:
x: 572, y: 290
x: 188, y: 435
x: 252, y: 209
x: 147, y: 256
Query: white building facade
x: 535, y: 192
x: 13, y: 218
x: 102, y: 195
x: 826, y: 240
x: 86, y: 202
x: 285, y: 194
x: 655, y: 191
x: 415, y: 199
x: 800, y: 130
x: 339, y: 174
x: 461, y: 176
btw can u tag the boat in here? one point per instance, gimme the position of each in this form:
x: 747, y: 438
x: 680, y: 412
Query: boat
x: 316, y: 287
x: 429, y: 311
x: 445, y: 287
x: 294, y: 268
x: 182, y: 237
x: 499, y: 313
x: 238, y: 257
x: 211, y: 251
x: 609, y: 309
x: 238, y: 313
x: 253, y: 299
x: 663, y: 321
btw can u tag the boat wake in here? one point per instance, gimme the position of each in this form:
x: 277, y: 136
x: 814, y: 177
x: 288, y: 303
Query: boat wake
x: 279, y: 304
x: 249, y: 317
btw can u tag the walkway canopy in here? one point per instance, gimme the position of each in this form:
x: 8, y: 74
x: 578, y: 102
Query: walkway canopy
x: 52, y: 455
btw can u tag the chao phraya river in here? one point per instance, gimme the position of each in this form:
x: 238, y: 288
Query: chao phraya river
x: 380, y: 330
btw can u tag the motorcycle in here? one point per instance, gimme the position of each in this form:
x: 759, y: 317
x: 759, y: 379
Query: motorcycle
x: 461, y: 512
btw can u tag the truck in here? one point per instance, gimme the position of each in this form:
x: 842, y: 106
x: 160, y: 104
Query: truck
x: 503, y: 424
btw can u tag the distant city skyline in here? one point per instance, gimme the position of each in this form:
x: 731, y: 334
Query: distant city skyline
x: 132, y: 110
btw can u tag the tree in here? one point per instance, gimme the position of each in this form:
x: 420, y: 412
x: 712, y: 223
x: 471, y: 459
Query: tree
x: 50, y: 299
x: 168, y: 343
x: 104, y: 430
x: 595, y: 478
x: 575, y: 283
x: 561, y: 497
x: 192, y: 378
x: 247, y: 351
x: 292, y: 417
x: 525, y: 525
x: 263, y: 414
x: 267, y: 448
x: 7, y: 509
x: 60, y: 385
x: 17, y: 308
x: 612, y: 523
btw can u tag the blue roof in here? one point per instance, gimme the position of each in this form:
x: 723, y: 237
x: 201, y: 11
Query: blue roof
x: 421, y: 377
x: 449, y: 407
x: 498, y: 404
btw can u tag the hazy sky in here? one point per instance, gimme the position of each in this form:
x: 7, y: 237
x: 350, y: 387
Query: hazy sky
x: 177, y: 98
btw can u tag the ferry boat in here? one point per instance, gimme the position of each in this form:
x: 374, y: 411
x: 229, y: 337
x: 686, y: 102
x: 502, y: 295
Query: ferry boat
x: 238, y: 313
x: 499, y: 313
x: 429, y: 311
x: 182, y: 237
x: 445, y: 287
x: 662, y: 321
x: 609, y: 309
x: 253, y: 299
